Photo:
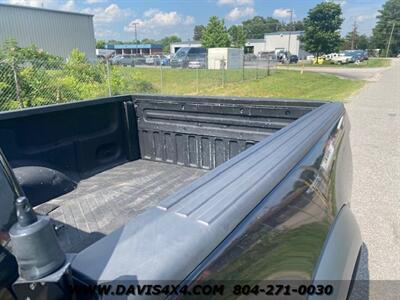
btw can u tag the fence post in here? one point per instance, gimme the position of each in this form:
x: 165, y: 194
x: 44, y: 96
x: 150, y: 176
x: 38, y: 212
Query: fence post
x: 161, y: 78
x: 197, y: 81
x: 268, y: 71
x: 108, y: 77
x: 222, y: 65
x: 17, y: 88
x: 256, y: 68
x: 243, y: 68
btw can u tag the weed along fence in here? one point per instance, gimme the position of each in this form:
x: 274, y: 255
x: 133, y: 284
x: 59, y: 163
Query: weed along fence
x: 44, y: 79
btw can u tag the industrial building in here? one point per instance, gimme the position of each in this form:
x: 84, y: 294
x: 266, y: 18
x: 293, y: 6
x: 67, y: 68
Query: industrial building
x: 54, y: 31
x: 284, y: 41
x: 272, y: 42
x: 143, y: 49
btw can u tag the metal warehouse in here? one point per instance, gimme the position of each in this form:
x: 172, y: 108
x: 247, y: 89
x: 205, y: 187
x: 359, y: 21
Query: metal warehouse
x: 57, y: 32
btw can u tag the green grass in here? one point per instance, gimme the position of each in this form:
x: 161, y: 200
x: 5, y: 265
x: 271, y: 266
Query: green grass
x: 370, y: 63
x: 281, y: 84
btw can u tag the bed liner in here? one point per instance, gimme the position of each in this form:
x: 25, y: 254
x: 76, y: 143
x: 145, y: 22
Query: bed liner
x: 106, y: 201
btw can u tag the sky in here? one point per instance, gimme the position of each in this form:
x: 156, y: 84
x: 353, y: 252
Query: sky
x: 113, y: 19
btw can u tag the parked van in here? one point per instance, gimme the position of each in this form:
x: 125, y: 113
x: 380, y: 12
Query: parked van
x: 185, y: 55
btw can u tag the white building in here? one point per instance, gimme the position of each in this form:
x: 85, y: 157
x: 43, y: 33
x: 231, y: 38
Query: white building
x: 284, y: 41
x: 252, y: 46
x: 56, y: 32
x: 255, y: 46
x: 225, y: 58
x: 174, y: 47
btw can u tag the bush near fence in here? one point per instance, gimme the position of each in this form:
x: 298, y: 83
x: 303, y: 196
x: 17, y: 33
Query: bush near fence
x: 31, y: 77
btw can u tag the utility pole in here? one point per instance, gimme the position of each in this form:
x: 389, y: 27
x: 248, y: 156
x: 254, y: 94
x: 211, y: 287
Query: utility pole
x: 390, y: 40
x: 136, y: 40
x: 353, y: 36
x: 290, y: 30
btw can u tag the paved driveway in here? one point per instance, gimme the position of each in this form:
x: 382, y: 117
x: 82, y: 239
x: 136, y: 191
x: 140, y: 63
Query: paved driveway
x: 369, y: 74
x: 375, y: 139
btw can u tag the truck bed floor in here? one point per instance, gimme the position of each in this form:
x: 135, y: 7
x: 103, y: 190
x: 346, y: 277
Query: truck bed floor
x: 106, y: 201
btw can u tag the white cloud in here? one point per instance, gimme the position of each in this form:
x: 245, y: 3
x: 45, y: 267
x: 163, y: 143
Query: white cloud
x: 106, y: 34
x: 238, y: 13
x: 156, y: 19
x: 235, y: 2
x: 151, y: 12
x: 108, y: 14
x: 35, y: 3
x: 189, y: 20
x: 363, y: 18
x: 282, y: 13
x: 68, y: 6
x: 340, y: 2
x: 95, y: 1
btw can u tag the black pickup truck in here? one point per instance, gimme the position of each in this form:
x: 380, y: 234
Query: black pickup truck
x: 183, y: 190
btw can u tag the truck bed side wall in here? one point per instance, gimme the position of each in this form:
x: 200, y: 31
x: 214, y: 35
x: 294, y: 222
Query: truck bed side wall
x: 205, y: 132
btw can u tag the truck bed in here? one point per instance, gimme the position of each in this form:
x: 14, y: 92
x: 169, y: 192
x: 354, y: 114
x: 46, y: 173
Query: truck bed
x: 93, y: 166
x: 106, y: 201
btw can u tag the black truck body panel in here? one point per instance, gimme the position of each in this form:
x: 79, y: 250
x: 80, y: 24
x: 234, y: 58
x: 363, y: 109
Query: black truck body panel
x: 276, y: 175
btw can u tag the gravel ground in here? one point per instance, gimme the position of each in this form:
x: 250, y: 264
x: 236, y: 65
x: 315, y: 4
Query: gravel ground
x: 375, y: 139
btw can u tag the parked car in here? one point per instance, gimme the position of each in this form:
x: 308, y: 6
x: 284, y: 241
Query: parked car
x: 293, y: 59
x: 143, y: 188
x: 165, y: 60
x: 139, y: 59
x: 356, y: 55
x: 123, y: 60
x: 153, y: 60
x: 341, y: 58
x: 184, y: 55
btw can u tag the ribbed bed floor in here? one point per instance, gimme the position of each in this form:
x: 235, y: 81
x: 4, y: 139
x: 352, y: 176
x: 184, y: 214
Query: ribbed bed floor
x: 108, y: 200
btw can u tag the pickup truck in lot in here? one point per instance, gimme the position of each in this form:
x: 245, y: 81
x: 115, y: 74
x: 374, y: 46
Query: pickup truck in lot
x: 184, y: 190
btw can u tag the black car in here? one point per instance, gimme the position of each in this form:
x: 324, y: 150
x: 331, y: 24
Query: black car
x: 185, y: 55
x: 294, y: 59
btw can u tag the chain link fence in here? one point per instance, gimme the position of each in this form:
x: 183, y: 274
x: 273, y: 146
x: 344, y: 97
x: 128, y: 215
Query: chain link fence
x: 42, y: 81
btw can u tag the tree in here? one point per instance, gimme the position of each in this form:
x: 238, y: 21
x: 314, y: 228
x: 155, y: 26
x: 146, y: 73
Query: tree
x: 353, y: 40
x: 100, y: 44
x: 256, y: 27
x: 168, y: 40
x: 148, y: 41
x: 198, y: 32
x: 215, y: 34
x: 388, y: 15
x: 322, y: 26
x: 238, y: 36
x: 295, y: 26
x: 115, y: 42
